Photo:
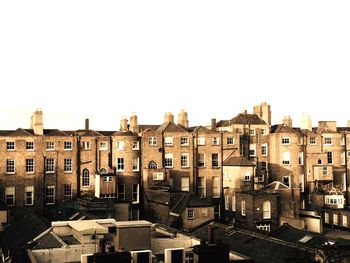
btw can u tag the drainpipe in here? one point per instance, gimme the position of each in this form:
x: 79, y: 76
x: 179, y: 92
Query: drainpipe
x: 195, y: 155
x: 78, y: 165
x: 222, y: 197
x: 346, y: 171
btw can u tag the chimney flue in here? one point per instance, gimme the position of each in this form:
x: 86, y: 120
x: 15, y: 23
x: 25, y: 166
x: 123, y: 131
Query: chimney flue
x: 213, y: 124
x: 87, y: 124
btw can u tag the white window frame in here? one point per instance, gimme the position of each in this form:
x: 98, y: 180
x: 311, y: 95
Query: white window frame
x: 243, y: 212
x: 328, y: 140
x: 67, y: 166
x: 247, y: 176
x: 342, y: 158
x: 11, y: 146
x: 344, y: 220
x: 233, y: 202
x: 10, y: 194
x: 184, y: 141
x: 215, y: 141
x: 168, y: 160
x: 10, y: 166
x: 85, y: 179
x: 29, y: 146
x: 252, y: 132
x: 267, y: 210
x: 286, y: 158
x: 212, y: 160
x: 185, y: 184
x: 264, y: 149
x: 329, y: 157
x: 29, y: 166
x: 342, y: 141
x: 86, y: 145
x: 230, y: 140
x: 50, y: 146
x: 29, y: 190
x: 67, y: 191
x: 120, y: 164
x: 301, y: 158
x: 68, y: 145
x: 202, y: 164
x: 136, y: 145
x: 285, y: 141
x: 326, y: 217
x: 152, y: 141
x: 50, y: 165
x: 135, y: 193
x: 201, y: 141
x: 263, y: 131
x: 168, y: 141
x: 252, y: 149
x: 185, y: 160
x: 216, y: 187
x: 50, y: 193
x: 120, y: 146
x: 103, y: 146
x: 335, y: 219
x: 313, y: 141
x: 136, y: 164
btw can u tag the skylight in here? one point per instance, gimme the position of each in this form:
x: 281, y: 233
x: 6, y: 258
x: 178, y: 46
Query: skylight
x: 305, y: 239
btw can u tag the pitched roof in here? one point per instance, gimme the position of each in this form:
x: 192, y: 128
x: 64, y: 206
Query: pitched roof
x: 246, y: 118
x: 124, y: 133
x: 190, y: 200
x: 238, y: 161
x: 55, y: 132
x: 91, y: 133
x: 148, y: 127
x: 276, y: 185
x: 282, y: 128
x: 170, y: 127
x: 20, y: 132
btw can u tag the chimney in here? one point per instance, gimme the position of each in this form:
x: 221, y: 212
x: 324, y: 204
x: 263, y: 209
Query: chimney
x: 37, y: 122
x: 134, y: 127
x: 213, y: 124
x: 264, y: 112
x: 332, y: 125
x: 87, y: 124
x: 123, y: 124
x: 182, y: 119
x: 306, y: 123
x: 168, y: 117
x: 287, y: 120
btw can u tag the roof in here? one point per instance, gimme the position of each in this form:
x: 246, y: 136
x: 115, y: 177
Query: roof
x: 282, y: 128
x: 148, y: 127
x: 256, y: 246
x: 49, y: 240
x: 238, y: 161
x: 170, y: 127
x: 87, y: 226
x: 190, y: 200
x: 276, y: 185
x: 246, y: 118
x: 91, y: 133
x: 124, y: 133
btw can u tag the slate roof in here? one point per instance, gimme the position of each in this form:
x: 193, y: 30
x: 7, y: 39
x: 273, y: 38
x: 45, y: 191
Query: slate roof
x: 238, y: 161
x: 170, y: 127
x: 124, y: 133
x: 281, y: 128
x: 190, y: 200
x: 148, y: 127
x: 242, y: 118
x: 88, y: 133
x: 47, y: 241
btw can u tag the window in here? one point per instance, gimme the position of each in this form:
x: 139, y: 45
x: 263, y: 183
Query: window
x: 200, y: 160
x: 168, y: 160
x: 201, y: 186
x: 234, y: 202
x: 329, y: 157
x: 264, y: 166
x: 301, y: 158
x: 185, y: 184
x: 328, y: 140
x: 266, y: 210
x: 120, y: 145
x: 302, y: 183
x: 107, y: 179
x: 29, y: 195
x: 184, y: 160
x: 342, y: 141
x: 120, y: 164
x: 264, y: 149
x: 215, y: 160
x: 10, y: 196
x: 104, y: 146
x: 230, y: 141
x: 135, y: 164
x: 121, y: 191
x: 263, y: 227
x: 158, y: 176
x: 252, y: 149
x: 190, y: 214
x: 49, y: 165
x: 345, y: 220
x: 216, y: 187
x: 335, y: 219
x: 168, y: 141
x: 10, y: 146
x: 50, y: 146
x: 334, y: 199
x: 252, y: 132
x: 152, y: 165
x: 135, y: 193
x: 29, y: 165
x: 152, y: 141
x: 86, y: 178
x: 216, y: 141
x: 263, y: 131
x: 29, y: 146
x: 312, y: 140
x: 227, y: 202
x: 326, y: 218
x: 243, y: 207
x: 67, y: 191
x: 135, y: 145
x: 342, y: 157
x: 286, y: 158
x: 247, y: 176
x: 86, y: 145
x: 201, y: 141
x: 68, y: 146
x: 260, y: 178
x: 285, y: 140
x: 286, y: 180
x: 10, y: 166
x: 184, y: 141
x: 50, y: 194
x: 68, y: 165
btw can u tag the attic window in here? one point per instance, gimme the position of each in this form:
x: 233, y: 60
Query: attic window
x: 305, y: 239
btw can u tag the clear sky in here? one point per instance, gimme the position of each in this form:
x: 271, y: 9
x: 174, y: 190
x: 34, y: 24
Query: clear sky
x: 106, y: 59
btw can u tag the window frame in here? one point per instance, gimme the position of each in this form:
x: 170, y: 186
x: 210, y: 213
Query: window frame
x: 50, y: 145
x: 50, y: 193
x: 120, y: 164
x: 30, y: 171
x: 285, y: 141
x: 184, y: 141
x: 185, y: 160
x: 68, y: 145
x: 10, y: 166
x: 10, y: 146
x: 27, y: 197
x: 29, y: 146
x: 67, y: 165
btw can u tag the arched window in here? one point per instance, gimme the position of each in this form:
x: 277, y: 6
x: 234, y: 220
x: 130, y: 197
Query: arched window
x: 152, y: 165
x: 266, y: 210
x: 103, y: 171
x: 243, y: 207
x: 86, y: 178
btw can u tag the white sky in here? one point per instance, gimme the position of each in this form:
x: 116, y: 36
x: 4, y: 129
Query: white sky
x: 106, y: 59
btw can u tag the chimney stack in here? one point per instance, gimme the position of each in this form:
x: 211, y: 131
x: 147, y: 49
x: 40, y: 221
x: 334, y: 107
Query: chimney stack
x: 182, y: 119
x: 123, y: 124
x: 306, y: 123
x: 213, y: 124
x: 87, y: 128
x: 168, y: 117
x: 37, y: 122
x: 287, y: 120
x: 134, y: 127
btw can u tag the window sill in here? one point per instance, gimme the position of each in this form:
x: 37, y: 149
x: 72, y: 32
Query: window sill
x: 67, y: 172
x: 68, y: 150
x: 29, y: 173
x: 10, y: 173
